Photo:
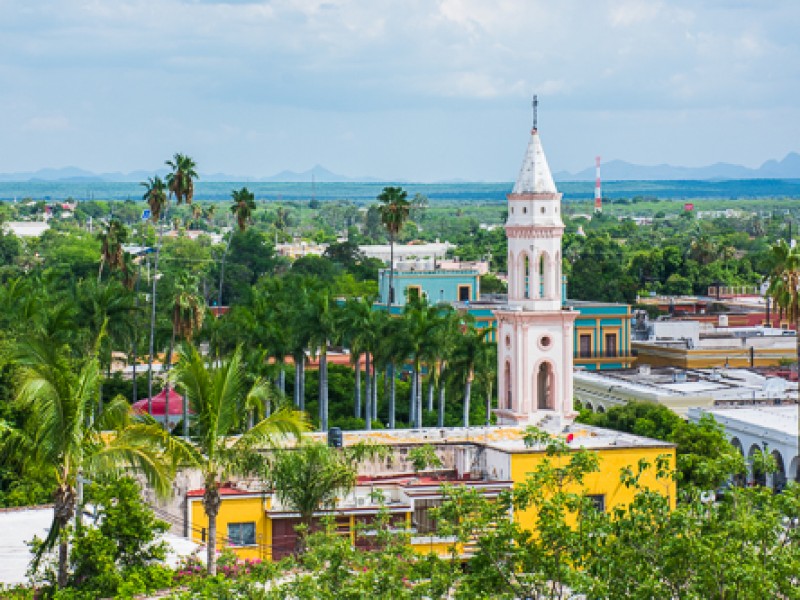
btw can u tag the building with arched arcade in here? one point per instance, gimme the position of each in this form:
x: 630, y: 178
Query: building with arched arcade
x: 767, y: 429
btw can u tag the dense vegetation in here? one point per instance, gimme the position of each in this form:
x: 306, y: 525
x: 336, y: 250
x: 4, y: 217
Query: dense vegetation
x: 78, y: 306
x: 743, y: 545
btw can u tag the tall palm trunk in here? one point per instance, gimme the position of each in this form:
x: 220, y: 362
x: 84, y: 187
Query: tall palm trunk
x: 368, y: 385
x: 467, y: 395
x: 431, y: 385
x: 391, y: 271
x: 167, y: 364
x: 64, y: 509
x: 303, y: 382
x: 392, y: 396
x: 135, y: 334
x: 412, y: 409
x: 357, y: 408
x: 281, y: 379
x: 368, y: 389
x: 488, y: 402
x: 418, y: 396
x: 211, y: 504
x: 375, y: 393
x: 296, y: 382
x: 299, y: 380
x: 323, y: 388
x: 440, y: 422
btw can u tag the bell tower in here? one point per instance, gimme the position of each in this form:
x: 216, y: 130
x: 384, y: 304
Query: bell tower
x: 534, y: 332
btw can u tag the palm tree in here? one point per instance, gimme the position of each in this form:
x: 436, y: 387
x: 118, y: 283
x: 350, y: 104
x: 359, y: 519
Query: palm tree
x: 439, y: 354
x: 472, y: 352
x: 298, y: 331
x: 188, y: 308
x: 156, y: 196
x: 394, y: 210
x: 356, y: 327
x: 209, y: 212
x: 310, y: 477
x: 111, y: 241
x: 703, y: 249
x: 389, y: 347
x: 63, y: 433
x: 188, y: 311
x: 244, y: 203
x: 281, y: 218
x: 422, y: 322
x: 218, y: 397
x: 180, y: 181
x: 784, y: 284
x: 197, y: 212
x: 321, y: 324
x: 108, y: 311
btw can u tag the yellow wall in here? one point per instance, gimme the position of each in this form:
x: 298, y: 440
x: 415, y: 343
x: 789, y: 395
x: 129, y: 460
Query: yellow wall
x: 236, y: 509
x: 607, y: 480
x: 695, y: 358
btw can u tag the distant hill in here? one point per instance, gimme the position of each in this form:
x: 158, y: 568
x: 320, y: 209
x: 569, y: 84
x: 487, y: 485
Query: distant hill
x: 316, y: 173
x: 619, y: 170
x: 614, y: 170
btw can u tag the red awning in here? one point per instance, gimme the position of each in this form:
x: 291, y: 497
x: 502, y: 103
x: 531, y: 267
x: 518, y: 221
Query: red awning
x: 160, y: 402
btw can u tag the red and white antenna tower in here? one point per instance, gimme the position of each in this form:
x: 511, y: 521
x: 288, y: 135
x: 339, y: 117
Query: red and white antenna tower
x: 598, y: 197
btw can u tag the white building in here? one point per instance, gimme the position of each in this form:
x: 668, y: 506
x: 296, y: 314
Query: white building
x: 771, y: 429
x: 26, y: 228
x: 407, y: 252
x: 681, y: 390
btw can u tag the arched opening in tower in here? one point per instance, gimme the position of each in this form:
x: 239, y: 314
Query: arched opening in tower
x: 527, y: 275
x: 507, y: 377
x: 545, y: 290
x: 544, y: 387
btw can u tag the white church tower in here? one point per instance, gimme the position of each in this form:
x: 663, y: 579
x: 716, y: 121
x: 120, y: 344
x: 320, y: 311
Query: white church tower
x: 534, y: 332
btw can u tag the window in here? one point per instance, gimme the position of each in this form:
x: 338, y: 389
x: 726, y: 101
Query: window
x: 413, y: 292
x: 463, y: 293
x: 599, y: 501
x: 611, y: 344
x: 585, y: 341
x: 242, y: 534
x: 423, y: 520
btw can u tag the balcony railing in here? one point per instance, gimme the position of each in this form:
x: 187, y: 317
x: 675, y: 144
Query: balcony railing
x: 595, y: 355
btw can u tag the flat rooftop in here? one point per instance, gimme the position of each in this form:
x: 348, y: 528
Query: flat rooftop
x: 781, y: 419
x: 722, y: 385
x: 20, y: 525
x: 504, y: 438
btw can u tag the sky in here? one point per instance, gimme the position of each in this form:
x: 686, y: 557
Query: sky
x: 416, y: 90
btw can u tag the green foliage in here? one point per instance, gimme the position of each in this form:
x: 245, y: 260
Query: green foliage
x: 312, y: 476
x: 123, y: 550
x: 705, y: 457
x: 424, y: 457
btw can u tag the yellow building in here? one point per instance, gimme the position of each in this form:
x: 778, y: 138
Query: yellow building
x: 490, y: 460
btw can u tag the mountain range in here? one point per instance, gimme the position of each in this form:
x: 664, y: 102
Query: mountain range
x: 614, y: 170
x: 619, y: 170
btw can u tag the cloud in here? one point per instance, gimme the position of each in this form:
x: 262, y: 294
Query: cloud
x: 161, y: 71
x: 47, y: 124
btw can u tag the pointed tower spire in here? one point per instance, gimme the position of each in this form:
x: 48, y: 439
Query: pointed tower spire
x: 534, y: 176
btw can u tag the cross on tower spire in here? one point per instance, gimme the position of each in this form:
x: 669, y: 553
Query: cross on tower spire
x: 535, y: 107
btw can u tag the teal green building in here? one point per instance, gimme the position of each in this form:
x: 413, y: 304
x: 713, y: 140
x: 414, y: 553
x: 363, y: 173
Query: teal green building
x: 602, y: 334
